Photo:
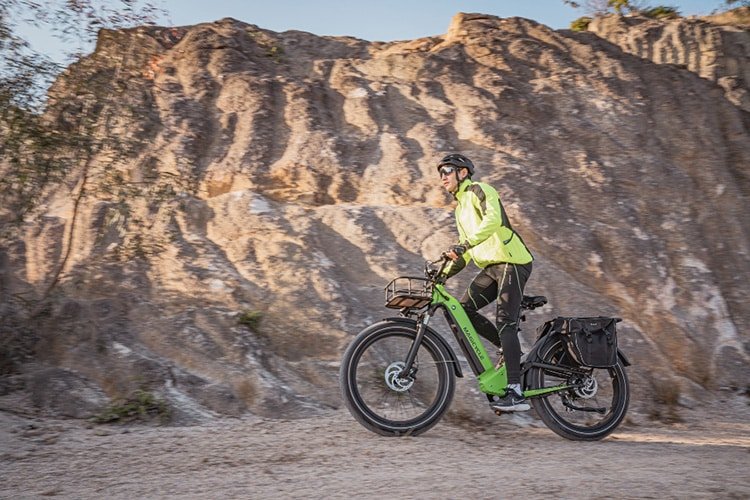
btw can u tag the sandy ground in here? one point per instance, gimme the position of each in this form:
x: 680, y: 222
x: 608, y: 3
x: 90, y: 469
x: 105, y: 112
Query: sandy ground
x: 333, y: 457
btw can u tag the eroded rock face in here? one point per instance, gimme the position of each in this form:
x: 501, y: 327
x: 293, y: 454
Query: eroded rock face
x: 717, y: 52
x: 294, y: 175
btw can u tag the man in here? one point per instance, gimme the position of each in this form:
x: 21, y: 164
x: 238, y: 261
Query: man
x: 487, y: 238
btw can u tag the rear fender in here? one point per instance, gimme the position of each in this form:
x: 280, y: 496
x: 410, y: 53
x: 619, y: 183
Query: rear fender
x: 549, y: 337
x: 625, y: 361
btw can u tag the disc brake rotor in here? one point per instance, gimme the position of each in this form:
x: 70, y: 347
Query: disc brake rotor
x: 393, y: 381
x: 588, y: 388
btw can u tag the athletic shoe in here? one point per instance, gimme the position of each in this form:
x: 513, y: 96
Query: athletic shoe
x: 512, y: 401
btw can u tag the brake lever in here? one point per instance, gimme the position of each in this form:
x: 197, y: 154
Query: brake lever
x: 432, y: 272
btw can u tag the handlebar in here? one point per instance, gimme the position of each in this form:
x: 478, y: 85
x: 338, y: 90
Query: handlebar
x: 436, y: 275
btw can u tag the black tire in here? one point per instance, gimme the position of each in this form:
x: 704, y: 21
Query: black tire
x: 607, y: 389
x: 411, y: 408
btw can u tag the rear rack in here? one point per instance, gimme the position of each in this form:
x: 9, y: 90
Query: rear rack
x: 408, y: 292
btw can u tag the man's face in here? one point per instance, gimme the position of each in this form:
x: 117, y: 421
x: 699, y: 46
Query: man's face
x: 448, y: 177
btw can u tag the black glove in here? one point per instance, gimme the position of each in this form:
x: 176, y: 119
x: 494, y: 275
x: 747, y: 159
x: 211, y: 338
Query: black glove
x: 430, y: 271
x: 457, y: 249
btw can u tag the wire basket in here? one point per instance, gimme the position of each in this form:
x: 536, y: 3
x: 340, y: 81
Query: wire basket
x: 407, y: 292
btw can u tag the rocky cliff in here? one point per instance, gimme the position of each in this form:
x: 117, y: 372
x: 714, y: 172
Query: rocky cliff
x: 266, y: 186
x: 716, y: 48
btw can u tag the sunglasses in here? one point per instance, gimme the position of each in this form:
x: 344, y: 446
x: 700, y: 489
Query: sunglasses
x: 446, y: 170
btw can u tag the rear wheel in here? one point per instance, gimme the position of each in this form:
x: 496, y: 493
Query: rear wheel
x: 379, y: 398
x: 589, y: 411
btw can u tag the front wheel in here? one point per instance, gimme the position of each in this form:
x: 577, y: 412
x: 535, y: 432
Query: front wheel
x: 592, y: 408
x: 378, y: 397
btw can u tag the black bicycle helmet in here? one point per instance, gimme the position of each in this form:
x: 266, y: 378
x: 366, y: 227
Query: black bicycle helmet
x: 458, y: 161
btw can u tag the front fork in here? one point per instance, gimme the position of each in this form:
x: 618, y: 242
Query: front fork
x: 409, y: 370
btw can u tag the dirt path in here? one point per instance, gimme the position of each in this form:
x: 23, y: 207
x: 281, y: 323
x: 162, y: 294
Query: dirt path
x: 333, y: 457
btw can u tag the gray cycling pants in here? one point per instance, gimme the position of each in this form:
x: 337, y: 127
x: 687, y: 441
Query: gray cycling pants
x: 504, y: 283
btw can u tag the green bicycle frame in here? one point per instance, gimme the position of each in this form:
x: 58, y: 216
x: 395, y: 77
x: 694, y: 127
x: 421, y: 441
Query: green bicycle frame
x: 492, y: 380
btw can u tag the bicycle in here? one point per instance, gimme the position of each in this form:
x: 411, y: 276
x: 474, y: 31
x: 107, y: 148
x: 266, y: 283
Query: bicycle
x: 397, y: 376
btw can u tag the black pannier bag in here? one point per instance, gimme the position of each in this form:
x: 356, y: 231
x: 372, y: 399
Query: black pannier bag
x: 591, y: 341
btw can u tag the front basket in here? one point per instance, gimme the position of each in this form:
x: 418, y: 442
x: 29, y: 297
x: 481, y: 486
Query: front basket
x: 407, y: 292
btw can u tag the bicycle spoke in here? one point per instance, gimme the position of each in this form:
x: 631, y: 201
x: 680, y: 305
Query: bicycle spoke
x: 387, y: 402
x: 594, y: 404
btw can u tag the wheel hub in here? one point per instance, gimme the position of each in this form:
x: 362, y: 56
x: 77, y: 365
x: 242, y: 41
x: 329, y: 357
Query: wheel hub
x: 392, y: 379
x: 588, y: 387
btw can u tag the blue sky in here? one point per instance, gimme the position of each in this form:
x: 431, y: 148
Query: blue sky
x: 384, y: 20
x: 375, y: 20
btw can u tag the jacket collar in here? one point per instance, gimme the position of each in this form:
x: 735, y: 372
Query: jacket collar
x: 462, y: 187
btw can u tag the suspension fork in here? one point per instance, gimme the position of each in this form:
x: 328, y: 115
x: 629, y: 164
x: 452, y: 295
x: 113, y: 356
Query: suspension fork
x: 409, y: 370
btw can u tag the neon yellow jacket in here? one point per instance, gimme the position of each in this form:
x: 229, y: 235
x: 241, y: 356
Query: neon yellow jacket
x: 484, y: 227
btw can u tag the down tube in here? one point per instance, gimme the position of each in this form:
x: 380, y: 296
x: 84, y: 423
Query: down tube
x: 466, y: 336
x: 490, y: 379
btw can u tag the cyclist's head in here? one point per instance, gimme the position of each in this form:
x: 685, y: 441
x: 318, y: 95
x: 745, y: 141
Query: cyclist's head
x: 457, y: 161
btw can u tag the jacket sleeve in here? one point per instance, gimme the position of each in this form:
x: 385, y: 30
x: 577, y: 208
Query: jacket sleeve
x: 456, y: 267
x: 492, y: 217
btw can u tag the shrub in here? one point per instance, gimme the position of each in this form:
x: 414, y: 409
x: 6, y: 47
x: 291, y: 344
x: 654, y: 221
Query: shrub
x: 276, y: 53
x: 250, y: 319
x: 666, y: 396
x: 620, y: 5
x: 662, y: 12
x: 580, y: 24
x: 141, y: 405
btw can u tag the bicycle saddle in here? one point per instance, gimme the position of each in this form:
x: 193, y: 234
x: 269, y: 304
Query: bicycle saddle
x: 532, y: 302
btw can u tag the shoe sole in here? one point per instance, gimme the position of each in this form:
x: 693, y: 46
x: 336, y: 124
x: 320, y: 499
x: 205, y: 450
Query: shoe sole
x: 519, y: 407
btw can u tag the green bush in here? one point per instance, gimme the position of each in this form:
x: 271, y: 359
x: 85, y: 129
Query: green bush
x: 580, y: 24
x: 276, y: 53
x: 662, y: 12
x: 141, y: 405
x: 666, y: 397
x: 250, y: 319
x: 620, y: 5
